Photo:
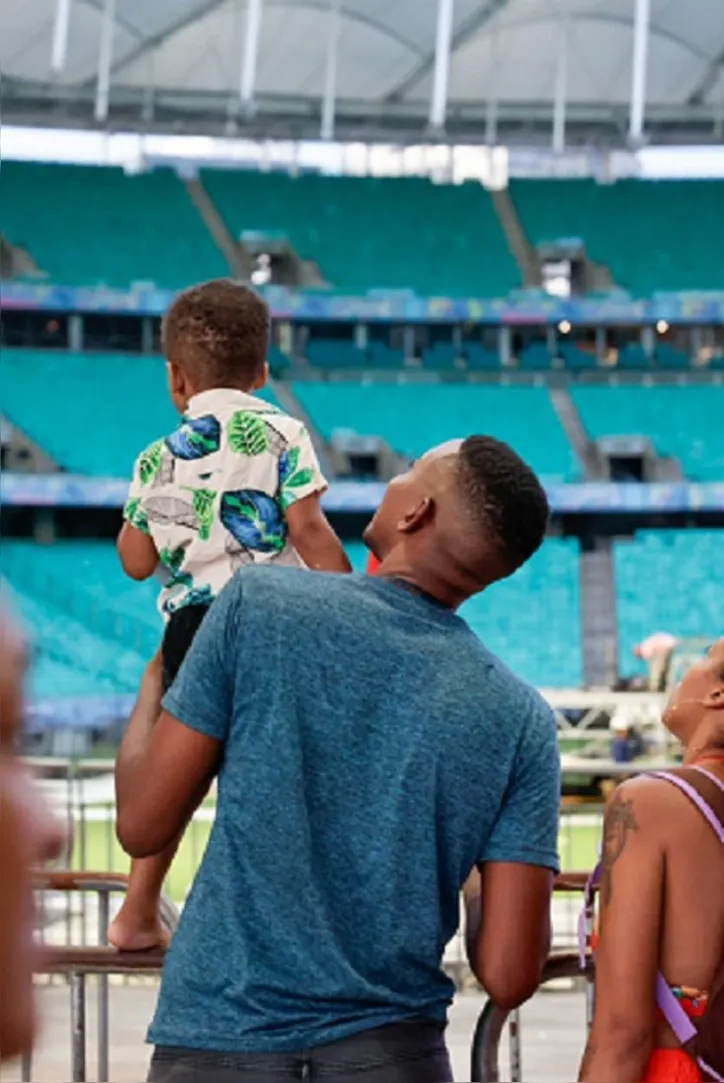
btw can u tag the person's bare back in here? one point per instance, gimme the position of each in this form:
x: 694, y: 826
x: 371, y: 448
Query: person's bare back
x: 692, y: 937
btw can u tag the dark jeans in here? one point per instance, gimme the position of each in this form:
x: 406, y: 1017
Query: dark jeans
x: 402, y: 1053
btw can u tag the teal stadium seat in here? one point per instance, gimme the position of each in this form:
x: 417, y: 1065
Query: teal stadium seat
x: 91, y: 225
x: 683, y: 422
x: 413, y: 417
x: 668, y: 581
x: 96, y: 412
x: 376, y: 233
x: 653, y: 235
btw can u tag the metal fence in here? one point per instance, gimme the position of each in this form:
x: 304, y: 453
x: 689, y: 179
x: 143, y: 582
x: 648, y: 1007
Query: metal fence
x: 84, y: 915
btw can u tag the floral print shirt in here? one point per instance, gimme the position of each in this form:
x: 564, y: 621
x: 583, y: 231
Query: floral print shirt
x: 213, y: 494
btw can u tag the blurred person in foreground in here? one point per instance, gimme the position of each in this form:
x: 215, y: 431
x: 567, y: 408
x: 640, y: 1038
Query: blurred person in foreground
x: 29, y: 835
x: 371, y: 752
x: 662, y: 897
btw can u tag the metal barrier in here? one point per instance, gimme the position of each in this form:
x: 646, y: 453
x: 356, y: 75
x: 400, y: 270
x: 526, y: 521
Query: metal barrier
x: 76, y: 962
x: 485, y: 1066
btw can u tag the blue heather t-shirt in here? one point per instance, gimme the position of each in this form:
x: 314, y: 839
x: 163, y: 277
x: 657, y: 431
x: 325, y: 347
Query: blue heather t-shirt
x: 374, y: 752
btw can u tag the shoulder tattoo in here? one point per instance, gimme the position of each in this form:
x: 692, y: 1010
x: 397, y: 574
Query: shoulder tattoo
x: 620, y: 821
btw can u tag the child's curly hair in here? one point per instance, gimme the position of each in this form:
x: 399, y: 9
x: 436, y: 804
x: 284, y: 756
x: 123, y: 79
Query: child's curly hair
x: 218, y: 333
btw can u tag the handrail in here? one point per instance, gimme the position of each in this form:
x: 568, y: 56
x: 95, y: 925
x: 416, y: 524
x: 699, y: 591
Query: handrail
x: 99, y: 960
x: 484, y: 1066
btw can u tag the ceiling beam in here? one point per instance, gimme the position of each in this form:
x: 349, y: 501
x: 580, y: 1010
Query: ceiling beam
x: 460, y: 37
x: 209, y: 6
x: 708, y: 79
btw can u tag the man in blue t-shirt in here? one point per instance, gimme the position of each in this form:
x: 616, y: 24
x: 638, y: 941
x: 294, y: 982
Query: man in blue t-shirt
x: 370, y: 753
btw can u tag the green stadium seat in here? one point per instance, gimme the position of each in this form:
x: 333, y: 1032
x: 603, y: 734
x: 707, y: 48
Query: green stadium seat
x: 376, y: 233
x: 653, y: 235
x: 413, y: 417
x: 91, y: 225
x: 683, y: 422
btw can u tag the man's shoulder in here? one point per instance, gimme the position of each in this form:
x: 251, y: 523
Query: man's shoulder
x: 514, y: 692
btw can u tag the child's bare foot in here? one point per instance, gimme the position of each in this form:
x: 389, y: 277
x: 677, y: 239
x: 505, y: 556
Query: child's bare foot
x: 131, y: 932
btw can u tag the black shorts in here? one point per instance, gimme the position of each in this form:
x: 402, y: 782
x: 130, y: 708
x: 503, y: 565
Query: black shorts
x: 181, y: 628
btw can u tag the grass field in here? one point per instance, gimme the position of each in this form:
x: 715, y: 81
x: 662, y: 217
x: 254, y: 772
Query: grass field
x: 97, y: 849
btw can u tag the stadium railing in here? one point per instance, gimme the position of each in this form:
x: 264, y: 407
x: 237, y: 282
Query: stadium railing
x: 75, y: 963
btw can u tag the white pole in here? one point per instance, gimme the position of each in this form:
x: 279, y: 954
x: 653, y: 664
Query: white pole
x: 330, y: 75
x: 443, y: 42
x: 559, y: 103
x: 252, y: 33
x: 60, y: 36
x: 105, y: 56
x: 642, y: 13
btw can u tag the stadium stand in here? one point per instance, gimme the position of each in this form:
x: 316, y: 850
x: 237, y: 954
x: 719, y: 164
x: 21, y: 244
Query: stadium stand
x: 371, y: 233
x: 634, y: 227
x: 682, y: 422
x: 668, y: 580
x: 414, y: 417
x: 89, y: 225
x: 96, y: 411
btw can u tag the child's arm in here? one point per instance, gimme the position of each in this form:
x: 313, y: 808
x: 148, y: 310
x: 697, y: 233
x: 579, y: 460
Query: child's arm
x: 313, y: 538
x: 137, y: 552
x: 135, y: 545
x: 301, y: 484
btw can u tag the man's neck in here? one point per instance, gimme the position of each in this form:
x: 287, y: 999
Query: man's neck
x: 424, y: 580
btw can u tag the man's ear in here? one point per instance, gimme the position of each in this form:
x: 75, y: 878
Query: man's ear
x: 418, y: 516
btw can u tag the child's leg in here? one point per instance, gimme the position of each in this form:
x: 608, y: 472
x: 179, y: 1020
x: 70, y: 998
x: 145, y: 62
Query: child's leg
x: 137, y: 926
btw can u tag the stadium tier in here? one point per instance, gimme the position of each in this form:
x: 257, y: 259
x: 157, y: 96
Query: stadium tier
x: 668, y: 580
x: 369, y: 233
x: 414, y: 417
x: 682, y: 422
x: 88, y: 225
x: 91, y: 413
x: 652, y: 235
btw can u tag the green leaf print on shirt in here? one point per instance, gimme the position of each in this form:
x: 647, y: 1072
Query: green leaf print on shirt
x: 203, y: 502
x: 135, y: 515
x: 172, y: 558
x: 296, y: 481
x: 149, y: 462
x: 247, y: 434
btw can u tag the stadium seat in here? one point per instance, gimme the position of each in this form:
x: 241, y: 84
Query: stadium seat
x: 91, y: 225
x: 413, y: 417
x: 634, y: 228
x: 646, y: 568
x: 669, y: 358
x: 633, y: 357
x: 575, y: 359
x: 440, y: 357
x: 372, y: 233
x: 682, y: 422
x: 96, y: 412
x: 480, y: 358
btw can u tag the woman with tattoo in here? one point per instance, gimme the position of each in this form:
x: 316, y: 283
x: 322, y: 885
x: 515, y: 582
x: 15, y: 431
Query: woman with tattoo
x: 662, y: 898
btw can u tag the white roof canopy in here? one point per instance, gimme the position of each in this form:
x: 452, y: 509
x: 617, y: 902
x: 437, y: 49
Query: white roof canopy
x: 176, y: 65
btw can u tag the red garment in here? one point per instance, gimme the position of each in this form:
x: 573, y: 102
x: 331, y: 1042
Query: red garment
x: 372, y: 564
x: 672, y: 1066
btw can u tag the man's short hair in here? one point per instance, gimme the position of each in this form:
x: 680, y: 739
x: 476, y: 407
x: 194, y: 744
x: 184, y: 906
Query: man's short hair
x: 503, y: 497
x: 218, y: 333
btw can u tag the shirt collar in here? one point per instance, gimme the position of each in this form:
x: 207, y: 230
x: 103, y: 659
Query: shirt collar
x: 207, y: 402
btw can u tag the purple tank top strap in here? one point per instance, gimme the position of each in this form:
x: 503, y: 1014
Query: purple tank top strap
x: 710, y: 775
x: 693, y: 794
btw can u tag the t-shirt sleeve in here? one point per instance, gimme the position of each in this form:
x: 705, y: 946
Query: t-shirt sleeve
x: 133, y: 511
x: 202, y: 695
x: 526, y: 831
x: 300, y: 474
x: 147, y: 466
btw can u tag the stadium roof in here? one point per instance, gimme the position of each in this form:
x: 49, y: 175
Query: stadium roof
x: 176, y: 65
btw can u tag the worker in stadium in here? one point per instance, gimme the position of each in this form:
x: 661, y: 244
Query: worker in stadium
x: 370, y: 752
x: 237, y: 483
x: 662, y: 906
x: 29, y: 835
